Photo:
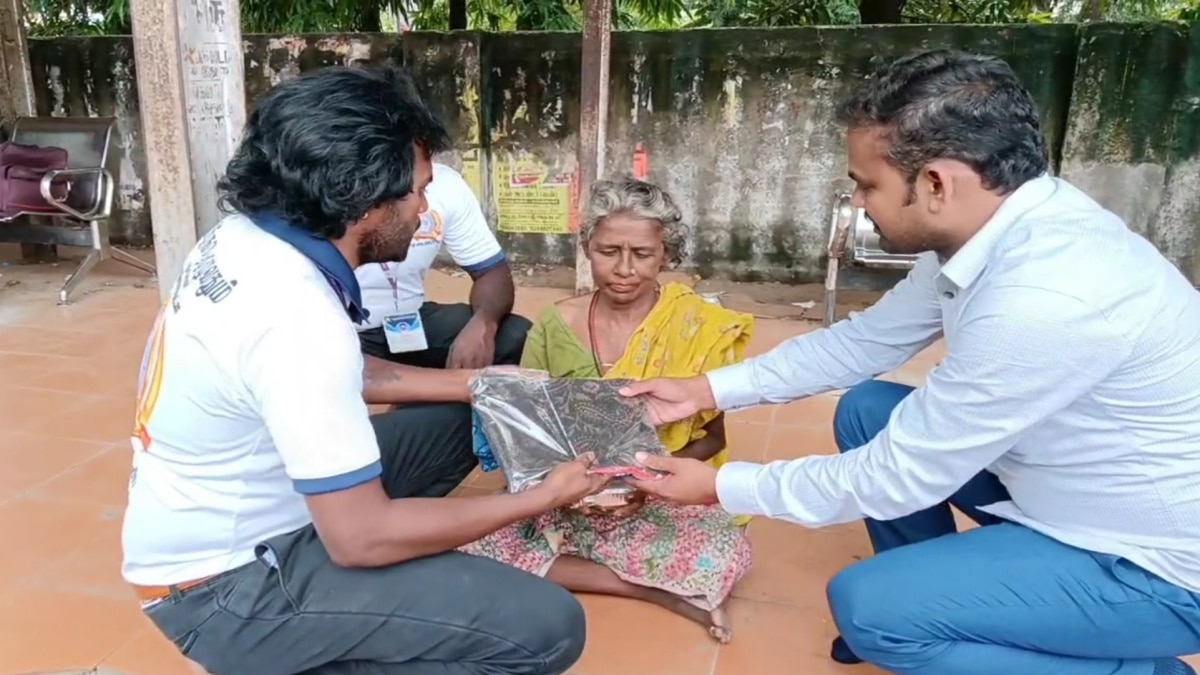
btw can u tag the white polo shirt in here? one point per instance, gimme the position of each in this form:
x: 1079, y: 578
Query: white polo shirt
x: 453, y: 217
x: 250, y: 399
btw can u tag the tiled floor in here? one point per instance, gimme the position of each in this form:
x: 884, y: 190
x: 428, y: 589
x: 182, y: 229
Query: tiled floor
x: 67, y: 377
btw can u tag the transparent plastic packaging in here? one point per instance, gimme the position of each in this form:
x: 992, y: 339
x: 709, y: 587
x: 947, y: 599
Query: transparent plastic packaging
x: 533, y: 423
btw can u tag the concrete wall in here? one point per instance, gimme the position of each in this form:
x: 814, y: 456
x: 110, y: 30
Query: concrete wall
x: 1133, y: 133
x: 737, y: 123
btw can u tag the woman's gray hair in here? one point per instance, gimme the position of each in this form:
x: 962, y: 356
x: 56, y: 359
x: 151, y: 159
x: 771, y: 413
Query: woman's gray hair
x: 638, y: 199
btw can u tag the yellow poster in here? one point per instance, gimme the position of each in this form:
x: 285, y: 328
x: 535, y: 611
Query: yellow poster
x: 532, y: 198
x: 472, y: 172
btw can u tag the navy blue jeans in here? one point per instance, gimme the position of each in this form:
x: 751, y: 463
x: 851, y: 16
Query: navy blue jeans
x: 1000, y: 599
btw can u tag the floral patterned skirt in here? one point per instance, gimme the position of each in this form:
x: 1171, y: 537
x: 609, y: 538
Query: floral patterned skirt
x: 695, y: 552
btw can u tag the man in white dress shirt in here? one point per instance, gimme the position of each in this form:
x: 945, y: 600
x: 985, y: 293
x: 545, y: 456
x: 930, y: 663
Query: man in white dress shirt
x: 1065, y: 416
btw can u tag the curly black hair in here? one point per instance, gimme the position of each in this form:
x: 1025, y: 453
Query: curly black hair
x: 943, y: 104
x: 324, y: 148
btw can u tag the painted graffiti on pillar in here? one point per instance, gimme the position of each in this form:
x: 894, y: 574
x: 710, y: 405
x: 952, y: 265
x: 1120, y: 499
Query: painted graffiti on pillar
x: 208, y: 61
x: 211, y: 13
x: 207, y: 67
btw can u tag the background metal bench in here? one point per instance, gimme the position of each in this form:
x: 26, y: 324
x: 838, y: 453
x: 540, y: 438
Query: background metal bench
x: 89, y: 202
x: 853, y: 242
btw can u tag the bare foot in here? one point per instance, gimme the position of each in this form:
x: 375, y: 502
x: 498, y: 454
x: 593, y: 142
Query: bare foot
x: 719, y: 628
x: 585, y: 576
x: 715, y: 621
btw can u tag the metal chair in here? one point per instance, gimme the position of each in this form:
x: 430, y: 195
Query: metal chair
x: 89, y: 201
x: 852, y: 238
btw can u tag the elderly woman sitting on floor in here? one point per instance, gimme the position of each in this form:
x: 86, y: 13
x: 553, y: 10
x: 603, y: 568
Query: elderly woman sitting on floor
x: 684, y: 558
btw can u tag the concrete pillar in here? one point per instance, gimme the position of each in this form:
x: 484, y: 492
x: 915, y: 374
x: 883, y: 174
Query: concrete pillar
x: 214, y: 87
x: 16, y: 86
x: 193, y: 109
x: 593, y: 113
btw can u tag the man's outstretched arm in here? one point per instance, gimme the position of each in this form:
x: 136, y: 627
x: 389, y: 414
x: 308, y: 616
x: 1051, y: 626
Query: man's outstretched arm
x: 906, y: 319
x: 387, y: 382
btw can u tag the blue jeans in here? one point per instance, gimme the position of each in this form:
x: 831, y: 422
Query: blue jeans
x: 1000, y: 599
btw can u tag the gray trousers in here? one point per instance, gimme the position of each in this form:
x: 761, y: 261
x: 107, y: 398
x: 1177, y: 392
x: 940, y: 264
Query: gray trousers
x: 293, y: 612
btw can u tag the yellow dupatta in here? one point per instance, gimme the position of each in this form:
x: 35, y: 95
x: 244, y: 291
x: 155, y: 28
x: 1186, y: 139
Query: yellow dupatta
x: 684, y: 336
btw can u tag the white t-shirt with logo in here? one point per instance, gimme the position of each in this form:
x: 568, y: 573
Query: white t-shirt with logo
x: 251, y: 398
x: 453, y: 217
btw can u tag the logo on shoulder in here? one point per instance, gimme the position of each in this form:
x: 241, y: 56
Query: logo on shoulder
x: 203, y: 272
x: 430, y: 229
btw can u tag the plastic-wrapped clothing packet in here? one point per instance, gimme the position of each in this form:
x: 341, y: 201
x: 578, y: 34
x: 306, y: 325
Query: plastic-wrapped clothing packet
x: 533, y: 423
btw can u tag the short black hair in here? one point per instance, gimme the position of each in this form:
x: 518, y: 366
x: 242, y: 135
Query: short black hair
x: 944, y: 104
x: 324, y: 148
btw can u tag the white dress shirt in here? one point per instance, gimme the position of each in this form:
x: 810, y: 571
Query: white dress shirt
x: 1072, y: 372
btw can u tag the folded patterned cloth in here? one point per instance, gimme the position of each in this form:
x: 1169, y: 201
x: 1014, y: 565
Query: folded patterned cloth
x: 530, y: 423
x: 479, y: 444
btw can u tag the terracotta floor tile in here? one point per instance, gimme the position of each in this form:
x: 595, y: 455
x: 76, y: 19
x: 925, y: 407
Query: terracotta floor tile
x: 627, y: 637
x: 769, y: 333
x: 148, y: 654
x: 18, y: 370
x: 82, y: 317
x: 91, y: 570
x: 772, y: 639
x: 123, y: 299
x: 28, y: 340
x: 37, y: 532
x: 912, y: 375
x: 102, y: 479
x: 119, y: 354
x: 106, y: 419
x: 45, y: 629
x: 763, y: 414
x: 748, y: 441
x: 122, y: 367
x: 25, y: 409
x: 791, y: 442
x: 101, y: 379
x: 530, y: 301
x: 811, y: 411
x: 469, y: 491
x: 486, y: 480
x: 29, y: 459
x: 792, y: 564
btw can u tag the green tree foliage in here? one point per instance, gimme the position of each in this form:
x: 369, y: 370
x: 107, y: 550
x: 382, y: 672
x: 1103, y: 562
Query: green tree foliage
x: 77, y: 17
x: 109, y: 17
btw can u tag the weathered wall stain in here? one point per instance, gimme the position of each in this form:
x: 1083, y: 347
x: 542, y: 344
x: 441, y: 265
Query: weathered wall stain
x: 737, y: 123
x: 1133, y: 141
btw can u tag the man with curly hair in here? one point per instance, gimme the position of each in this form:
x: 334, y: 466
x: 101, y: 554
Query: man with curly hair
x: 274, y: 527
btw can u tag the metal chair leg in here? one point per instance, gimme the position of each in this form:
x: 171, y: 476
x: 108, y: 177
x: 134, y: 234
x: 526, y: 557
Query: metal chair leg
x: 131, y: 260
x: 81, y: 271
x: 831, y: 280
x: 839, y: 233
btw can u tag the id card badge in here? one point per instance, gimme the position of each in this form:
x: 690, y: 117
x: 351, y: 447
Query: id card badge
x: 405, y: 333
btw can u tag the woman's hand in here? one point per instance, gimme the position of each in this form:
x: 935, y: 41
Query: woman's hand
x: 571, y: 481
